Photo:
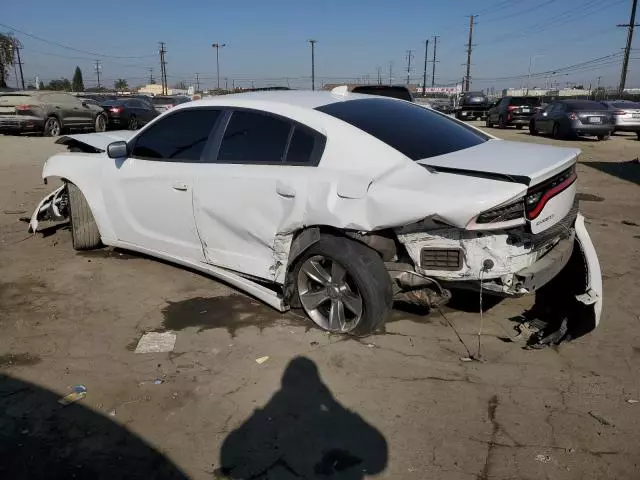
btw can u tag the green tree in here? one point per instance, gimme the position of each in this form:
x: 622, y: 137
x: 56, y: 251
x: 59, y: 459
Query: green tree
x: 181, y: 85
x: 7, y: 56
x: 121, y: 84
x: 77, y: 84
x: 41, y: 85
x: 62, y: 84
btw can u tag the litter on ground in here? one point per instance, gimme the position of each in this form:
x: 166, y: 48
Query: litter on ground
x: 156, y: 342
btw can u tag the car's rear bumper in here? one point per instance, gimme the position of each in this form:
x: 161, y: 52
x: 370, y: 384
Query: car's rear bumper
x: 627, y: 127
x: 21, y: 123
x: 520, y: 120
x: 580, y: 128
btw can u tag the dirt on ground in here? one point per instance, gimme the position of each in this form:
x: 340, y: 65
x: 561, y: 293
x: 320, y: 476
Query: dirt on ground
x: 400, y: 404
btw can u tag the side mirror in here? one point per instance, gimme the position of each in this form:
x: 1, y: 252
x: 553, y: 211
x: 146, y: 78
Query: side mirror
x: 117, y: 149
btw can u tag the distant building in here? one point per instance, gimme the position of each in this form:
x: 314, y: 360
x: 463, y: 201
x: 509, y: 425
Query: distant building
x: 156, y: 89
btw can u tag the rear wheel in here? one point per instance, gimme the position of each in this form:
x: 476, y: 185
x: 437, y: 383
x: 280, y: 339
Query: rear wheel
x: 638, y: 135
x: 532, y: 128
x: 488, y: 123
x: 556, y: 131
x: 101, y: 123
x: 603, y: 137
x: 343, y: 286
x: 501, y: 123
x: 519, y: 127
x: 133, y: 123
x: 84, y: 230
x: 52, y: 127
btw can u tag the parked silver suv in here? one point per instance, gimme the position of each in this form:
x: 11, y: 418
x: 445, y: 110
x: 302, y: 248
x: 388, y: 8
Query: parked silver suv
x: 48, y: 112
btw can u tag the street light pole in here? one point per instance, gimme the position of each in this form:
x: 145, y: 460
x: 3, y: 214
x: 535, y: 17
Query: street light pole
x: 218, y: 46
x: 313, y: 63
x: 531, y: 58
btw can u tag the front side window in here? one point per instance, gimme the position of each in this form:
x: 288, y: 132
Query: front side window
x: 414, y: 131
x: 254, y: 138
x: 180, y: 136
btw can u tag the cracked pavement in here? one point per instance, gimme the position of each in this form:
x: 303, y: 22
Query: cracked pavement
x: 564, y: 413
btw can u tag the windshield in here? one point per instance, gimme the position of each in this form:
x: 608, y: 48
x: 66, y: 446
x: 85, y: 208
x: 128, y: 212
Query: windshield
x: 531, y: 101
x: 415, y: 131
x: 400, y: 93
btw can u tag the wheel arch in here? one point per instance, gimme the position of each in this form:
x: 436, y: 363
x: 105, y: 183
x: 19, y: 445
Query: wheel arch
x: 71, y: 170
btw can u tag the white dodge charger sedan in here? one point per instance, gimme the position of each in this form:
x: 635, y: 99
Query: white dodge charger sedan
x: 337, y: 203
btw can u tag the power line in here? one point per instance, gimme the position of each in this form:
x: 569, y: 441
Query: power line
x: 493, y: 8
x: 625, y: 63
x: 88, y: 52
x: 520, y: 12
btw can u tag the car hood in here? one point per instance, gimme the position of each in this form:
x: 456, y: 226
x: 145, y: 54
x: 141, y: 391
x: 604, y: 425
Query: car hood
x: 98, y: 141
x: 518, y: 162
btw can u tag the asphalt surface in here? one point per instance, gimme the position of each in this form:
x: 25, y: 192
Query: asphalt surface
x: 399, y: 405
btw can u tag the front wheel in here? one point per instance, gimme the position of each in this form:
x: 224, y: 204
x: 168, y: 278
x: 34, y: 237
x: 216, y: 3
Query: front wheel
x: 100, y: 124
x: 532, y: 128
x: 519, y: 127
x: 556, y: 131
x: 52, y: 127
x: 133, y: 123
x: 84, y: 230
x: 488, y: 123
x: 637, y: 135
x: 343, y: 286
x: 603, y: 137
x: 501, y: 123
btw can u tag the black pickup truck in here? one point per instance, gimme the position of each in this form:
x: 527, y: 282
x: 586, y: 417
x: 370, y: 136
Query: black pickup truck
x: 472, y: 106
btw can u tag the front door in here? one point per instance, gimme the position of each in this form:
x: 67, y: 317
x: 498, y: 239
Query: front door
x: 255, y: 186
x: 149, y: 195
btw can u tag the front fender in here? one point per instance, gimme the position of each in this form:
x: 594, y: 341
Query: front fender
x: 85, y: 171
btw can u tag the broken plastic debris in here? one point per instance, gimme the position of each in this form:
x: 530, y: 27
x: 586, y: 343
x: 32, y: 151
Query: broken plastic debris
x: 601, y: 419
x: 543, y: 458
x: 78, y: 393
x: 112, y: 413
x: 261, y: 360
x: 632, y: 401
x: 157, y: 381
x: 156, y: 342
x: 371, y: 345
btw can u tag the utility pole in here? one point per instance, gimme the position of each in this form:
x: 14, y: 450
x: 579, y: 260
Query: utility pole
x: 313, y: 63
x: 390, y: 72
x: 98, y: 67
x: 18, y: 47
x: 197, y: 75
x: 226, y: 83
x: 409, y: 55
x: 625, y: 63
x: 433, y: 71
x: 424, y: 75
x: 163, y: 69
x: 469, y: 47
x: 379, y: 75
x: 151, y: 80
x: 218, y: 46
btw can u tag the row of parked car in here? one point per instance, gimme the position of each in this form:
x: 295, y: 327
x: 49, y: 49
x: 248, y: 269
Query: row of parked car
x: 50, y: 112
x: 566, y: 118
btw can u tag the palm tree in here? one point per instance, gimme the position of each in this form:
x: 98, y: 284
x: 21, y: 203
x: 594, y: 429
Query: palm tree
x: 8, y: 45
x: 121, y: 84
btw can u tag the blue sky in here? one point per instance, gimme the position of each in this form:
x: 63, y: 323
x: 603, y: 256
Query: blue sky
x: 266, y: 40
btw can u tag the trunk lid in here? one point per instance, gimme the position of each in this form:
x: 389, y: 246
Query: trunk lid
x: 595, y: 117
x: 518, y: 162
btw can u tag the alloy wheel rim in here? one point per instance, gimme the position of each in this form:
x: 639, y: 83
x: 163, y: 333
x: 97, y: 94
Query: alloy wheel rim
x: 329, y: 295
x: 54, y: 127
x: 100, y: 124
x: 133, y: 123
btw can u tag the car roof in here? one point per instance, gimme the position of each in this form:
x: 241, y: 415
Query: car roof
x: 299, y: 98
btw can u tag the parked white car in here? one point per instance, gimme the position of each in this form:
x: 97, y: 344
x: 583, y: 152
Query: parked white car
x: 338, y: 203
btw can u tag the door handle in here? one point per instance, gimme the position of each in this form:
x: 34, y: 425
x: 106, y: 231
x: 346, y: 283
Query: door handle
x: 182, y: 187
x: 285, y: 190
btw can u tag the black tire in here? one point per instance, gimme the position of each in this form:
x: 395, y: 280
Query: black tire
x: 132, y: 124
x: 501, y: 123
x: 52, y: 127
x: 555, y: 133
x: 100, y: 124
x: 603, y: 137
x: 488, y: 123
x: 84, y: 230
x: 519, y: 127
x: 532, y: 128
x: 637, y: 135
x: 368, y: 273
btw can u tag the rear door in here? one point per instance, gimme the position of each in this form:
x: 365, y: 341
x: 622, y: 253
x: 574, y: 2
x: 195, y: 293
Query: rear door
x: 150, y: 194
x: 250, y: 187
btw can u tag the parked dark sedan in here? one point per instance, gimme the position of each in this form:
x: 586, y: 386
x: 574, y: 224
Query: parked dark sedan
x: 512, y: 111
x: 129, y: 113
x: 574, y: 117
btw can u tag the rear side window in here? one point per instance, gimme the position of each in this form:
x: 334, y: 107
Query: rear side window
x: 180, y: 136
x: 301, y: 146
x: 254, y: 138
x: 415, y: 131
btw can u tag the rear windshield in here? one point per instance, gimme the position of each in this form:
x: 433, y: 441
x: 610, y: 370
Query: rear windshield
x: 577, y: 106
x: 400, y: 93
x: 414, y: 131
x: 531, y: 101
x: 14, y: 100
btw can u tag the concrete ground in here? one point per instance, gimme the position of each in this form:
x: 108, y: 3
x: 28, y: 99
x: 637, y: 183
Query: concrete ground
x: 400, y: 405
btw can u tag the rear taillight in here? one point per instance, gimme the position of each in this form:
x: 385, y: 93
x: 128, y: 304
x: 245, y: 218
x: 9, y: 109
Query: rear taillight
x: 511, y: 108
x: 116, y: 109
x: 619, y: 112
x: 170, y: 106
x: 572, y: 116
x: 538, y: 196
x: 24, y: 107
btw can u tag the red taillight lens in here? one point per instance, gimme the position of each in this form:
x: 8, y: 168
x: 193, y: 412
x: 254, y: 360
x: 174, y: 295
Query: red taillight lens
x: 572, y: 116
x: 24, y: 107
x: 116, y: 109
x: 538, y: 197
x: 619, y: 112
x: 511, y: 108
